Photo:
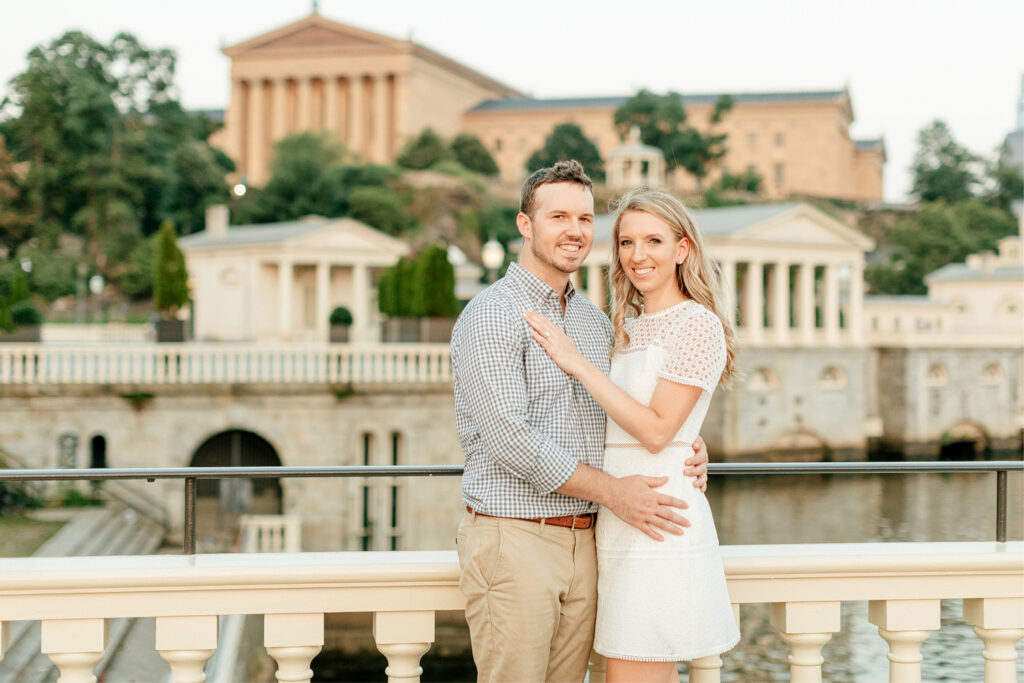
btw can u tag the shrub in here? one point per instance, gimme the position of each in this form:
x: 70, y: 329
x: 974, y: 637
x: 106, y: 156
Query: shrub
x: 170, y: 281
x: 471, y: 153
x: 341, y: 316
x: 423, y: 151
x: 24, y: 313
x: 434, y: 280
x: 379, y: 208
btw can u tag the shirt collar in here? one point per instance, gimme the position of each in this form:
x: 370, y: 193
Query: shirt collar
x: 535, y: 288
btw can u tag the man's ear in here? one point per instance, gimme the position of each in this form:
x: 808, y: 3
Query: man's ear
x: 525, y: 225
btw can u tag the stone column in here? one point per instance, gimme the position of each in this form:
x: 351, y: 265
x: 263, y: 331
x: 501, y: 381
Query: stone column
x: 279, y: 116
x: 381, y: 118
x: 185, y: 643
x: 331, y: 104
x: 805, y: 301
x: 345, y: 111
x: 75, y: 646
x: 596, y: 285
x: 753, y: 302
x: 323, y: 301
x: 400, y: 102
x: 780, y: 302
x: 361, y: 302
x: 236, y: 118
x: 855, y: 322
x: 304, y: 104
x: 830, y: 314
x: 999, y: 622
x: 256, y: 166
x: 403, y: 638
x: 285, y: 274
x: 728, y: 268
x: 356, y: 110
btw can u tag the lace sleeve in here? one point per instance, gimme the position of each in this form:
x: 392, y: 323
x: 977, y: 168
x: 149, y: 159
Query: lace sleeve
x: 695, y: 342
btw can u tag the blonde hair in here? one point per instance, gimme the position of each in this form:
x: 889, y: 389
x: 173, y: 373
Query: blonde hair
x: 699, y: 277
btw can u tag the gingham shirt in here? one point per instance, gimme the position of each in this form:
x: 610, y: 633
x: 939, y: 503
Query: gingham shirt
x: 524, y: 425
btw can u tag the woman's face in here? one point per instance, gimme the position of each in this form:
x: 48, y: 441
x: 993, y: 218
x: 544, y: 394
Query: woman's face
x: 649, y: 252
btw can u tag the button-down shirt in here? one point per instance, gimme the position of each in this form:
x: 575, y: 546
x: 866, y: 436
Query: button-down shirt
x: 525, y: 425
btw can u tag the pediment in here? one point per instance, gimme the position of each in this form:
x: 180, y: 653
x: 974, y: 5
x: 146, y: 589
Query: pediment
x: 350, y: 236
x: 316, y: 33
x: 805, y: 225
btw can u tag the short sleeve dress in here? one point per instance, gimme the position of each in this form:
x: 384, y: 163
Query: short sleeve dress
x: 667, y: 600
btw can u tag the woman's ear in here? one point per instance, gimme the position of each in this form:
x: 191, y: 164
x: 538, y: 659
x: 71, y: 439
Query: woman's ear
x: 683, y: 250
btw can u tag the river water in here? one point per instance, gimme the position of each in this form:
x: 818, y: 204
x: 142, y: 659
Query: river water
x: 847, y: 508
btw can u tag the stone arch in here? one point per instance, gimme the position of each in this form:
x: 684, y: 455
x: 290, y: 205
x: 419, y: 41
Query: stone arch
x: 98, y: 451
x: 762, y: 380
x: 833, y: 378
x: 992, y: 374
x: 219, y: 502
x: 937, y: 375
x: 965, y: 440
x: 800, y: 445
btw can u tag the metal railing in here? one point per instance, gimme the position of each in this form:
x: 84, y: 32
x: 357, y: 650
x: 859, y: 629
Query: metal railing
x: 191, y: 475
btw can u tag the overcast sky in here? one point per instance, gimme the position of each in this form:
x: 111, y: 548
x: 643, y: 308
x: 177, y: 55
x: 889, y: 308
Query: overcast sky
x: 906, y: 62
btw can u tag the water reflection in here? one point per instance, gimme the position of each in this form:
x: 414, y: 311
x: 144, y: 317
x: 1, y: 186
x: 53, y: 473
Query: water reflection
x: 856, y: 509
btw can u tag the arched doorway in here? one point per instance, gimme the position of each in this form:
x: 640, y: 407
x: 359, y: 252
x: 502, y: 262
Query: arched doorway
x: 965, y: 441
x: 98, y: 452
x: 219, y: 502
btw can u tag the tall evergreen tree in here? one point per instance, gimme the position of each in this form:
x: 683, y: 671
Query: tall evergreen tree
x: 170, y: 282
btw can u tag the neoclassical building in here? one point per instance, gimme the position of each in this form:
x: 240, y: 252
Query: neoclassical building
x: 374, y: 92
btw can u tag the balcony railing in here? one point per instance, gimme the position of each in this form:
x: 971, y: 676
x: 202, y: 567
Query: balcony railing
x: 805, y: 585
x: 197, y: 363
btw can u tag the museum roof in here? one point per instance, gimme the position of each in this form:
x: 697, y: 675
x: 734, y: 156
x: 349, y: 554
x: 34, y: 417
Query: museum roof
x: 964, y: 272
x: 904, y: 299
x: 526, y: 103
x: 720, y: 221
x: 264, y: 233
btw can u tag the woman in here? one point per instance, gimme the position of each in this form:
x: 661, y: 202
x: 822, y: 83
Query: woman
x: 659, y: 601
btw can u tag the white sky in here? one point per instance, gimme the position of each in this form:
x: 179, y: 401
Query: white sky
x: 906, y: 62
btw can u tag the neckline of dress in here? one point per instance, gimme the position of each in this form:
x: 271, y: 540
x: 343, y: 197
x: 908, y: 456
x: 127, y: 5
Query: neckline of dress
x: 658, y: 314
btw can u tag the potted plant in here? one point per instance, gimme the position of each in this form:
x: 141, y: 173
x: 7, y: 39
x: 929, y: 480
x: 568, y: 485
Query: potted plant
x: 434, y: 295
x: 170, y: 285
x: 21, y: 322
x: 341, y: 321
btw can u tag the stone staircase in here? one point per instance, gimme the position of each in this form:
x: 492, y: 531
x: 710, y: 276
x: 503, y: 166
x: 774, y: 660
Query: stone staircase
x: 111, y: 530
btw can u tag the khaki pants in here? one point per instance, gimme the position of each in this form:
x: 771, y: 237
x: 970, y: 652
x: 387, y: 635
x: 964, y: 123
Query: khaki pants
x: 531, y: 598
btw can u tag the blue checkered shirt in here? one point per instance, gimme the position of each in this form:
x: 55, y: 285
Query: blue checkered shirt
x: 524, y: 425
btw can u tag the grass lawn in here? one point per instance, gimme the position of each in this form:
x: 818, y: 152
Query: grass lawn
x: 20, y: 536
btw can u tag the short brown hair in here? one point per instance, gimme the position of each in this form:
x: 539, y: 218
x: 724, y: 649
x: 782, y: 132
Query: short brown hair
x: 570, y: 171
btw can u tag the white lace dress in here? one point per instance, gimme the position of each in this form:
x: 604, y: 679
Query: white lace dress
x: 664, y: 601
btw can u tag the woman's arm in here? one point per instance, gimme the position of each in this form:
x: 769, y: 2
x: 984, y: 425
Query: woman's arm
x: 653, y: 426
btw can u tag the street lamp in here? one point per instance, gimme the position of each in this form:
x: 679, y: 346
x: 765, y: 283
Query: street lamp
x: 493, y: 256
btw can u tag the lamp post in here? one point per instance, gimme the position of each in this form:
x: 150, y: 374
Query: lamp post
x: 96, y: 285
x: 493, y: 256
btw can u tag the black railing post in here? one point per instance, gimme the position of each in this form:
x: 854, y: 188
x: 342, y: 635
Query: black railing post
x: 190, y: 516
x: 1001, y: 506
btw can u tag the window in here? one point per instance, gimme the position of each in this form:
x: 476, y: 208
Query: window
x: 992, y: 375
x: 497, y: 144
x: 779, y: 175
x: 937, y: 376
x: 763, y: 380
x: 780, y: 140
x: 751, y: 140
x: 833, y: 378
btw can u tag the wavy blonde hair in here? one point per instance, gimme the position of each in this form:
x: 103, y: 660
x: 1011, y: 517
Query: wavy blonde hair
x: 699, y: 277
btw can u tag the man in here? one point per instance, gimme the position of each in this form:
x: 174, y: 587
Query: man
x: 534, y: 441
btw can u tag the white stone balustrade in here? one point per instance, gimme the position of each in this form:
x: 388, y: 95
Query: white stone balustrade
x: 903, y: 582
x: 271, y: 533
x: 197, y: 363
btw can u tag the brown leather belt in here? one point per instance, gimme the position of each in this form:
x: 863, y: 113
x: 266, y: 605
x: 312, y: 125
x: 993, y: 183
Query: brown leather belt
x: 567, y: 521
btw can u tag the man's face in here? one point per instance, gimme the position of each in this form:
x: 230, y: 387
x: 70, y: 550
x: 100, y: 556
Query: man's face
x: 558, y: 237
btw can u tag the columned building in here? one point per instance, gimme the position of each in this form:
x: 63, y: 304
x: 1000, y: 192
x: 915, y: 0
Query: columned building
x: 369, y: 91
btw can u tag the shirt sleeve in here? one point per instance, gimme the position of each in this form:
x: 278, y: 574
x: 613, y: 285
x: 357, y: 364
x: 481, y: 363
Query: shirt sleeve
x: 488, y: 362
x: 696, y: 350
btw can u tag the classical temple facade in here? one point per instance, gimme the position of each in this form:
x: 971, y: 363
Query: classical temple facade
x: 373, y: 93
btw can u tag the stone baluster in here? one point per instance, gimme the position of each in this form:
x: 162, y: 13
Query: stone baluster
x: 403, y: 637
x: 709, y: 669
x: 806, y: 627
x: 999, y: 622
x: 75, y: 646
x: 186, y: 643
x: 904, y: 624
x: 293, y: 640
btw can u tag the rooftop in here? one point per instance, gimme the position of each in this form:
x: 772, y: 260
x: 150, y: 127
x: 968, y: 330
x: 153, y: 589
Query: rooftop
x: 527, y: 103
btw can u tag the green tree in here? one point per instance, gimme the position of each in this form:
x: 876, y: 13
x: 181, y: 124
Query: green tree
x: 397, y: 290
x: 434, y: 277
x: 380, y: 208
x: 15, y: 220
x: 137, y: 279
x: 748, y: 181
x: 937, y: 234
x: 423, y: 151
x: 662, y: 122
x: 170, y: 281
x: 942, y: 168
x: 1005, y: 185
x: 471, y: 153
x: 567, y: 141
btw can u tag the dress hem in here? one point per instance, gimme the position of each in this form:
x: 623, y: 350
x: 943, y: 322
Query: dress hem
x: 671, y: 658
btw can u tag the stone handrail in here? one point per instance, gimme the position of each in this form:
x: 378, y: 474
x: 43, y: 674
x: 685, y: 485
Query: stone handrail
x: 199, y: 363
x: 805, y: 585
